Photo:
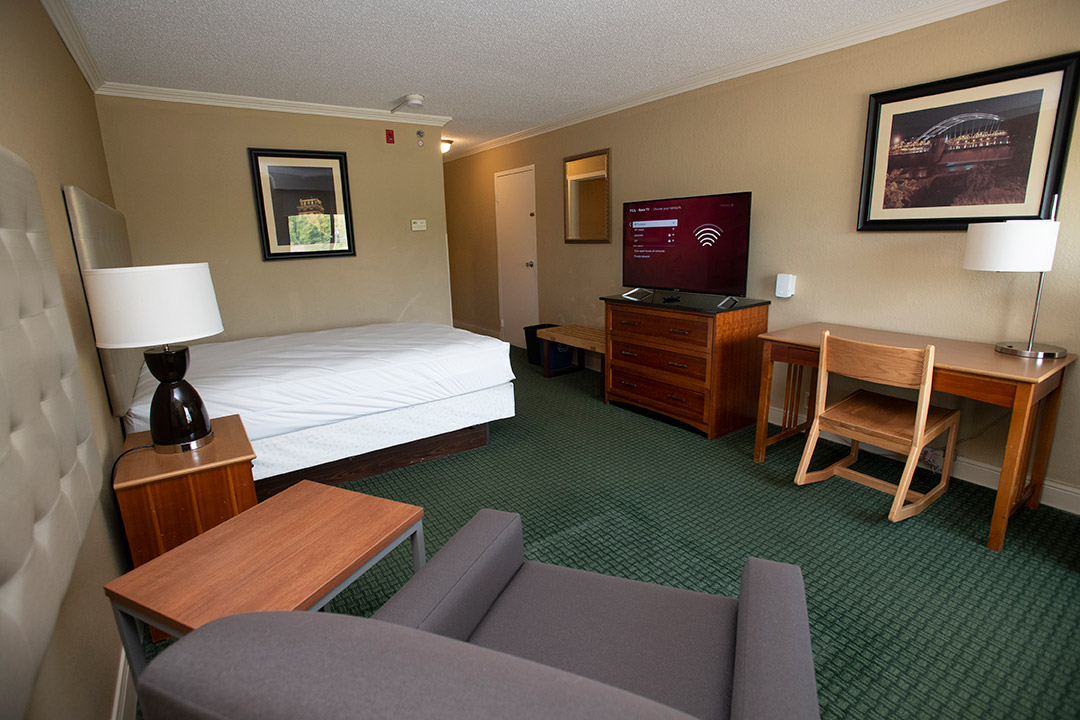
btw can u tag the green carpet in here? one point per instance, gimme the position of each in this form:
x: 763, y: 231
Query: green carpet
x: 917, y: 619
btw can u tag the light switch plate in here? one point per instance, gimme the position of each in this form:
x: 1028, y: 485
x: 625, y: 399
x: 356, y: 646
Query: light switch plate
x: 419, y: 225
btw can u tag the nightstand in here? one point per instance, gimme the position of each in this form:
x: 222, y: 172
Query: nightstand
x: 167, y: 499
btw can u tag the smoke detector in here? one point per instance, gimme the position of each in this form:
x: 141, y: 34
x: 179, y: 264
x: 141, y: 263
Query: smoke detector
x: 412, y: 100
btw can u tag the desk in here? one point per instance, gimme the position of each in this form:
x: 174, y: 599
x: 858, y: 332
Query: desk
x: 294, y: 551
x: 973, y: 370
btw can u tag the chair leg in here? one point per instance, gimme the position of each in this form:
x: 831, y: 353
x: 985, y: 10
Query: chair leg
x: 808, y: 452
x: 900, y: 511
x: 802, y: 477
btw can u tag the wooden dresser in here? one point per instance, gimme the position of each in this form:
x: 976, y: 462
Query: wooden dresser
x: 688, y: 361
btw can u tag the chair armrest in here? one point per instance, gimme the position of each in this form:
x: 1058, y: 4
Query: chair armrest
x: 452, y: 593
x: 774, y: 663
x: 288, y: 665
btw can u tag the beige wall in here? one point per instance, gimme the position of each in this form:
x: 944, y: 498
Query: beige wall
x: 794, y: 136
x: 48, y: 118
x: 181, y: 177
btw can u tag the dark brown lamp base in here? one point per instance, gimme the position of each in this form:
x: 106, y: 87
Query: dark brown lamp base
x: 179, y: 421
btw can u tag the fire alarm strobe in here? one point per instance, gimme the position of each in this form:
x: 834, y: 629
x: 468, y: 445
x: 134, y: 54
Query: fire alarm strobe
x: 390, y: 136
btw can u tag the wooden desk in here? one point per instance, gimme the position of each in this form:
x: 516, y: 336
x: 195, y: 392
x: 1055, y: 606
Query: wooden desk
x: 974, y: 370
x: 295, y: 551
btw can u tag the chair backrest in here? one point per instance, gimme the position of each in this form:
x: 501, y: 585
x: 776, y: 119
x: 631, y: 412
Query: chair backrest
x: 883, y: 364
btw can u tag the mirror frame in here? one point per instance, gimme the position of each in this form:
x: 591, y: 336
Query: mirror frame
x: 606, y: 152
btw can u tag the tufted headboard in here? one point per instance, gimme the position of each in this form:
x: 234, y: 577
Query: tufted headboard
x: 50, y: 471
x: 101, y: 241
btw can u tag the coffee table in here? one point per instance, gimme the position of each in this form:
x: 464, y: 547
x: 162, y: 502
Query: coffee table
x: 294, y: 551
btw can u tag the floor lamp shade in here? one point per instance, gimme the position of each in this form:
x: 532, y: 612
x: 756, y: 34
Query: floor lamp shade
x: 156, y: 307
x: 1016, y: 246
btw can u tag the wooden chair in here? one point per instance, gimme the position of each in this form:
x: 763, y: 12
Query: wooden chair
x: 891, y: 423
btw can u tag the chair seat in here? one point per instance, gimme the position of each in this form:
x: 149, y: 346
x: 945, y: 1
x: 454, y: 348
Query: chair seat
x: 667, y: 644
x: 882, y: 418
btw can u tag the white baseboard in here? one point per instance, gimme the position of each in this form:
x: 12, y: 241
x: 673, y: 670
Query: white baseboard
x: 477, y: 329
x: 124, y: 699
x: 1055, y: 493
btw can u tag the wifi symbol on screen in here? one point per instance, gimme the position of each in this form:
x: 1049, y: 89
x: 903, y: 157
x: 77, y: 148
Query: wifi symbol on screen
x: 707, y: 235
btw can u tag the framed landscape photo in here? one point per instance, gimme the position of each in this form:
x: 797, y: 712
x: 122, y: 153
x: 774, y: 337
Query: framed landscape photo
x: 302, y: 203
x: 988, y: 146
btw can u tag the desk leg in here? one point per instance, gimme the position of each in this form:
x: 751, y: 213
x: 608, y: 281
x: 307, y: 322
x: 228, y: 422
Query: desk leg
x: 1014, y: 468
x: 1044, y: 441
x: 546, y: 353
x: 419, y: 556
x: 764, y: 396
x: 131, y: 640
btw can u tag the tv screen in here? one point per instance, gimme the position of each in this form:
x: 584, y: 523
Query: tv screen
x: 697, y: 244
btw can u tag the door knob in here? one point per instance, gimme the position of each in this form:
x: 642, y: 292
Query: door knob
x: 528, y: 263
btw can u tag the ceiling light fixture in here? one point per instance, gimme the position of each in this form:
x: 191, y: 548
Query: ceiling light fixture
x: 412, y: 100
x: 446, y: 145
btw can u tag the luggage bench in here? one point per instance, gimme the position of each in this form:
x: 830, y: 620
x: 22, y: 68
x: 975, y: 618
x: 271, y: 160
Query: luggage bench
x: 576, y: 336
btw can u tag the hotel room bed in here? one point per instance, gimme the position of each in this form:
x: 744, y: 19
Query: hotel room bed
x: 310, y: 398
x: 316, y: 404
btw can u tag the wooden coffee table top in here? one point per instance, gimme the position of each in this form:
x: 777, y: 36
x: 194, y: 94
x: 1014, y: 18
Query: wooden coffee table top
x: 285, y: 553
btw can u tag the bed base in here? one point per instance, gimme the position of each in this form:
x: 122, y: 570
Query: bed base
x: 339, y: 472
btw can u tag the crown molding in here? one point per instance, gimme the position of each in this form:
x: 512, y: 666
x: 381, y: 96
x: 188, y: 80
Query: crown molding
x: 838, y: 41
x: 73, y: 38
x: 194, y: 97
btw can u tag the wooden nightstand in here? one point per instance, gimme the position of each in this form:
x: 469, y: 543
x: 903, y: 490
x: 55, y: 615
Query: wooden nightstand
x: 166, y: 500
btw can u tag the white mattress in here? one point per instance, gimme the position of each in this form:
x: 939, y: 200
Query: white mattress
x: 315, y: 446
x: 290, y: 383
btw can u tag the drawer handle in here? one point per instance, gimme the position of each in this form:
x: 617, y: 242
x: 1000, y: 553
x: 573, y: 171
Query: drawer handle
x: 630, y: 322
x: 676, y: 397
x: 629, y: 384
x: 679, y: 332
x: 629, y: 354
x: 675, y: 364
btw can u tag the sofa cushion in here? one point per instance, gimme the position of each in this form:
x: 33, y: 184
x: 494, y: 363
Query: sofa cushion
x: 673, y: 646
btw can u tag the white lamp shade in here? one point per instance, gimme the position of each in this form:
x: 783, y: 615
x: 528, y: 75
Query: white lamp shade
x: 1011, y: 246
x: 152, y: 305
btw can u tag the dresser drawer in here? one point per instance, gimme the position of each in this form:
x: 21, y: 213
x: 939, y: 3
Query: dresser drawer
x: 688, y: 366
x: 664, y: 327
x: 672, y: 399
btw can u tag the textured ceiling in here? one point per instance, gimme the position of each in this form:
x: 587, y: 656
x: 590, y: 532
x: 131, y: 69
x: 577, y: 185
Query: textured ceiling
x: 496, y: 67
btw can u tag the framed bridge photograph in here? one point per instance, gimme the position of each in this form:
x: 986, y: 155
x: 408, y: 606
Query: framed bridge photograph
x: 988, y: 146
x: 302, y: 203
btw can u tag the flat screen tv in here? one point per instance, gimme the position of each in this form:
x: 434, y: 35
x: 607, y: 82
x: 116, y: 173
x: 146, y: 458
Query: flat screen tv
x: 695, y: 244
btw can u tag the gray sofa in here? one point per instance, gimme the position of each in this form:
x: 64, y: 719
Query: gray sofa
x: 480, y: 632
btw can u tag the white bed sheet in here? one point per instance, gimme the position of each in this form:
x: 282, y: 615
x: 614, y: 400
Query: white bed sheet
x: 290, y: 383
x: 315, y: 446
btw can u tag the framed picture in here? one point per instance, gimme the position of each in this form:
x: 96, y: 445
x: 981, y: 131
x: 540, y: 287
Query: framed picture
x: 988, y: 146
x: 302, y: 203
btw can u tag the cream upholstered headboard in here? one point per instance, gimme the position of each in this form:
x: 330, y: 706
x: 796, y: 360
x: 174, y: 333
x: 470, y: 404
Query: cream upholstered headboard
x: 50, y: 471
x: 101, y: 241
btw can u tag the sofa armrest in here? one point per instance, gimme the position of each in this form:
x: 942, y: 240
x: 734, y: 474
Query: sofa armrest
x: 452, y: 593
x: 288, y: 665
x: 774, y: 663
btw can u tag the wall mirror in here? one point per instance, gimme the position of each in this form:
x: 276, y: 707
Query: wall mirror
x: 587, y: 197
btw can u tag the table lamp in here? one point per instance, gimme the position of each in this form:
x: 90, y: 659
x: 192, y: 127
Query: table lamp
x: 1016, y: 246
x: 159, y: 305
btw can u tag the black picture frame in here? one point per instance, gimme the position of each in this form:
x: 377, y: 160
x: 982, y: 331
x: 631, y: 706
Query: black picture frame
x: 1008, y: 121
x: 302, y: 203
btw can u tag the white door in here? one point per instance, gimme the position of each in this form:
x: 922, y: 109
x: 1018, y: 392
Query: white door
x: 515, y: 232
